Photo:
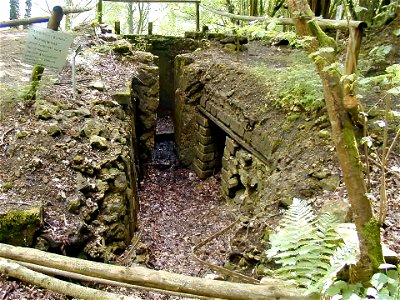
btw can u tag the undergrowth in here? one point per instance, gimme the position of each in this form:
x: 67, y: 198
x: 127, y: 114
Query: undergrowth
x: 311, y: 253
x: 295, y: 87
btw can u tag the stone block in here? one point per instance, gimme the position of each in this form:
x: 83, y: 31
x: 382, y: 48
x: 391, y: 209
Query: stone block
x: 207, y: 148
x: 211, y: 108
x: 202, y: 174
x: 224, y: 185
x: 237, y: 127
x: 231, y: 146
x: 225, y: 175
x: 214, y: 110
x: 202, y: 120
x: 203, y: 101
x: 18, y: 227
x: 225, y: 162
x: 204, y: 131
x: 205, y: 165
x: 205, y: 156
x: 205, y: 139
x: 224, y: 117
x: 247, y: 136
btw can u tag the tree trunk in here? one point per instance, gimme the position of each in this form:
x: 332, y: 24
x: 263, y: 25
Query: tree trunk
x: 14, y: 9
x: 320, y: 7
x: 99, y: 11
x: 67, y: 10
x: 141, y: 276
x: 346, y: 145
x: 129, y: 7
x: 15, y: 270
x: 28, y: 10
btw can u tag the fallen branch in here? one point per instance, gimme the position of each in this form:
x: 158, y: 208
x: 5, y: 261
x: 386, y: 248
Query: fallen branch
x: 44, y: 19
x: 324, y: 23
x: 141, y: 276
x: 15, y: 270
x: 93, y: 280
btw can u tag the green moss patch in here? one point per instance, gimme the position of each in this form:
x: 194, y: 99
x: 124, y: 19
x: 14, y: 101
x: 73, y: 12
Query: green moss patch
x: 292, y: 81
x: 18, y: 227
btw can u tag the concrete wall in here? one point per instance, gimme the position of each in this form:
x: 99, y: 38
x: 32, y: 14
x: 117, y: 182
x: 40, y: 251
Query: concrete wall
x: 270, y: 156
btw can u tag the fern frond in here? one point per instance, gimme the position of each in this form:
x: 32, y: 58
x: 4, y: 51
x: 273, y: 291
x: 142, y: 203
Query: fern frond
x: 304, y: 245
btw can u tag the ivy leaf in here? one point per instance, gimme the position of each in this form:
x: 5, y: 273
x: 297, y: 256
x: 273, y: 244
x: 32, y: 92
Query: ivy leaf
x: 380, y: 123
x: 358, y: 8
x: 394, y: 91
x: 372, y: 293
x: 367, y: 140
x: 378, y: 280
x: 337, y: 288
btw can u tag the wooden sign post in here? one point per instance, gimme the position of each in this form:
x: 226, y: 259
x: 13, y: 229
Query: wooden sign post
x: 37, y: 72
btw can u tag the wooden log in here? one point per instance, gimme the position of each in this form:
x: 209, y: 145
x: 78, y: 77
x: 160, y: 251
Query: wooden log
x: 44, y: 19
x: 138, y: 275
x: 156, y: 1
x: 323, y: 23
x: 15, y: 270
x: 95, y: 280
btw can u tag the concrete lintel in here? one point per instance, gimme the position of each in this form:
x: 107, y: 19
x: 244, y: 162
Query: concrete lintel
x: 234, y: 136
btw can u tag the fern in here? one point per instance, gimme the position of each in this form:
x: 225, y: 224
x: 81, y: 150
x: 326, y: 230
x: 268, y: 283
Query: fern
x: 304, y: 245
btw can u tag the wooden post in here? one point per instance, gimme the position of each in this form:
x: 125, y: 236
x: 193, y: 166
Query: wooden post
x: 37, y: 72
x: 55, y: 18
x: 150, y: 28
x: 351, y: 103
x: 100, y: 11
x: 197, y: 16
x: 117, y: 27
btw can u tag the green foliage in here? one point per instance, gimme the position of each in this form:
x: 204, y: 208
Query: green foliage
x: 292, y: 82
x: 384, y: 286
x: 302, y: 91
x: 386, y: 13
x: 304, y: 245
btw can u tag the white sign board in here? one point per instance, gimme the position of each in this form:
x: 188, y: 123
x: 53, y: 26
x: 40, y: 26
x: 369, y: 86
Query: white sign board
x: 46, y: 47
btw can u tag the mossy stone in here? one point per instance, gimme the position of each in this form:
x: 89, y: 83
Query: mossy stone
x: 98, y: 142
x: 45, y: 110
x: 54, y: 130
x: 18, y: 227
x: 6, y: 186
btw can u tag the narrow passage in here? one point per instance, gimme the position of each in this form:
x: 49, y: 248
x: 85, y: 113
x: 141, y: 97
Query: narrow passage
x: 178, y: 211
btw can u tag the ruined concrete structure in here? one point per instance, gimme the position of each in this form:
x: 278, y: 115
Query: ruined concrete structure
x: 224, y: 120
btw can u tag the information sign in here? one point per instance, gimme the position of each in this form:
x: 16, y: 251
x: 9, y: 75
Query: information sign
x: 46, y: 47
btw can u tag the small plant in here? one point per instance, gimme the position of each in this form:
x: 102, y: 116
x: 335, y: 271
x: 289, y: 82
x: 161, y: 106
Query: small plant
x: 309, y: 249
x: 384, y: 286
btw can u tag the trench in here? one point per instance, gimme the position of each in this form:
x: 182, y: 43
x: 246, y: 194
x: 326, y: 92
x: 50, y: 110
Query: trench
x: 178, y: 209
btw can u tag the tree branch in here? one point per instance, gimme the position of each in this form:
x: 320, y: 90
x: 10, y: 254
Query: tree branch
x: 15, y: 270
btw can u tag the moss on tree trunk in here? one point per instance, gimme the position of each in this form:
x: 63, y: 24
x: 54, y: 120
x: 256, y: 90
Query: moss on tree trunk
x: 345, y: 141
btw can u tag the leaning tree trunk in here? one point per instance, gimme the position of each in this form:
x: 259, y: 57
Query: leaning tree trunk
x: 344, y: 138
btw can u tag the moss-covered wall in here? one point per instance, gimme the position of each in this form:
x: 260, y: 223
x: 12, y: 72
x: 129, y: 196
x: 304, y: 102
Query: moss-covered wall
x: 18, y: 227
x: 283, y: 145
x: 166, y: 48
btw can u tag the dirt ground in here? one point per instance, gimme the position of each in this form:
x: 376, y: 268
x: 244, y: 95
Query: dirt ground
x: 177, y: 210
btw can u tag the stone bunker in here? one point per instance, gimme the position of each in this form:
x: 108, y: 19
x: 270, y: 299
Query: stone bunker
x: 225, y: 117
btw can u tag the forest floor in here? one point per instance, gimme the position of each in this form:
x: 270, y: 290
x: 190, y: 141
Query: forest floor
x: 178, y: 210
